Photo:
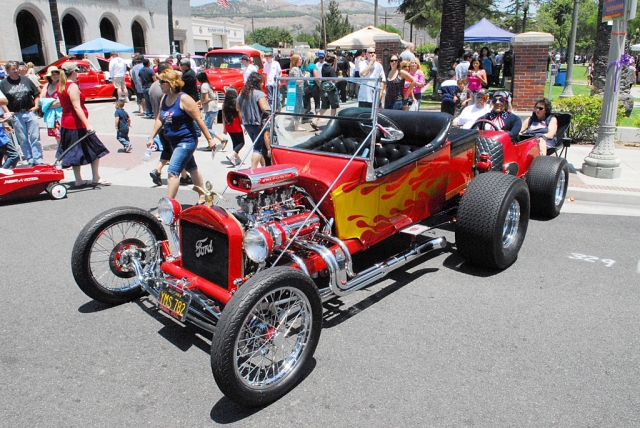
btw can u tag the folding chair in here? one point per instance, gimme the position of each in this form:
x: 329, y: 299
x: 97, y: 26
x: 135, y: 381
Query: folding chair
x: 563, y: 142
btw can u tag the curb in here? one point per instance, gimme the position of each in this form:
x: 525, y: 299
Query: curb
x: 609, y: 196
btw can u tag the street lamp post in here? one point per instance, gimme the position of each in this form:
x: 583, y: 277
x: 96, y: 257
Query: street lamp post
x: 603, y: 162
x: 568, y: 90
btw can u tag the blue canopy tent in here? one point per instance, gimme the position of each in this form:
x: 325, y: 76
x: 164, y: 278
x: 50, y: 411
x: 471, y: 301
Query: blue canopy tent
x: 98, y: 46
x: 484, y: 31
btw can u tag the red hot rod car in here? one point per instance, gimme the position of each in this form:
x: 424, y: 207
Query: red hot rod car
x: 256, y: 276
x: 91, y: 81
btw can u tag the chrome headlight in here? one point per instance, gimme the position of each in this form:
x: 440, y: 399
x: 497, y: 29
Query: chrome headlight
x: 256, y: 245
x: 168, y: 210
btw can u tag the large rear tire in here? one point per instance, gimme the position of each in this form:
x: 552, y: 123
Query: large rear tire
x: 492, y: 220
x: 548, y: 179
x: 99, y: 263
x: 266, y: 336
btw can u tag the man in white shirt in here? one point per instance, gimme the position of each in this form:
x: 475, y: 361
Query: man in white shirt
x: 192, y: 61
x: 248, y: 67
x: 462, y: 69
x: 407, y: 54
x: 473, y: 112
x: 371, y: 69
x: 117, y: 70
x: 272, y: 69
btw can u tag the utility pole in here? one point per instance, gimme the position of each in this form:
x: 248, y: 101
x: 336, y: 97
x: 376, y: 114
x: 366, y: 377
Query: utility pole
x: 324, y: 27
x: 568, y: 91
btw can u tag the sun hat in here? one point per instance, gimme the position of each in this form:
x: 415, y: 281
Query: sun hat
x: 51, y: 70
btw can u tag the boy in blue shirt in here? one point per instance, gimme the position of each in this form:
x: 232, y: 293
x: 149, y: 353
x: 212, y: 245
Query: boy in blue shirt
x: 7, y: 149
x: 123, y: 123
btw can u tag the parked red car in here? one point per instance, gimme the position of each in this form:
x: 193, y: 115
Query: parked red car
x: 224, y: 69
x: 305, y: 229
x: 92, y: 81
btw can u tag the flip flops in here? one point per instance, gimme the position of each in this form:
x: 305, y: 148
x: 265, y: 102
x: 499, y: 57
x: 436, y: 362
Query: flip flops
x: 101, y: 183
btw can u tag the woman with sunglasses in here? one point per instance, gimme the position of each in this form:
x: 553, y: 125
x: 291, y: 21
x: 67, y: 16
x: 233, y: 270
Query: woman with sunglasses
x: 178, y: 116
x: 477, y: 77
x: 542, y: 124
x: 418, y: 76
x: 49, y: 102
x: 74, y: 125
x: 395, y: 93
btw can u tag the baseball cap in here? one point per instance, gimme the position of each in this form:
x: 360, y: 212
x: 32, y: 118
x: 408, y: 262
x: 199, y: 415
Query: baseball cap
x: 69, y: 67
x: 244, y: 58
x: 320, y: 54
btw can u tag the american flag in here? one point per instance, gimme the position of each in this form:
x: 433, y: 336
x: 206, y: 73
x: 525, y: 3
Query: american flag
x: 224, y: 3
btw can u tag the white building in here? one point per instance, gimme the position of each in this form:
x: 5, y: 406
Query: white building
x: 208, y: 33
x: 26, y: 32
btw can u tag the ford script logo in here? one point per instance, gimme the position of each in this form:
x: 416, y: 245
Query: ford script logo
x: 202, y: 248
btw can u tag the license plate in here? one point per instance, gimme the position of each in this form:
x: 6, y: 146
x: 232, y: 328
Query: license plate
x: 174, y: 302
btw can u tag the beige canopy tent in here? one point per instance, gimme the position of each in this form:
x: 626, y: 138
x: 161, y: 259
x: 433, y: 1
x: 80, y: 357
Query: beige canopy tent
x: 361, y: 39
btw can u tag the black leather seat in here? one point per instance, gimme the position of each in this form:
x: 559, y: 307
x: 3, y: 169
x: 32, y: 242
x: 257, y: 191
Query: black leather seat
x: 424, y: 132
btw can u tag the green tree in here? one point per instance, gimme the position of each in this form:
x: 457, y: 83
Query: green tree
x: 390, y: 29
x: 337, y: 26
x: 427, y: 14
x: 313, y: 40
x: 269, y: 36
x: 555, y: 17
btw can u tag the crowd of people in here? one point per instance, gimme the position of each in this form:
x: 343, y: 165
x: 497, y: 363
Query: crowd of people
x: 184, y: 106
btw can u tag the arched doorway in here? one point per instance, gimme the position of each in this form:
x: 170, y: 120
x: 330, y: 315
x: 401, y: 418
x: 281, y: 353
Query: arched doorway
x: 137, y: 34
x: 29, y: 36
x: 71, y: 31
x: 107, y: 30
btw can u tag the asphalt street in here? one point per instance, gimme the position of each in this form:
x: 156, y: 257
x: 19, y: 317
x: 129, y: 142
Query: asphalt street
x: 550, y: 341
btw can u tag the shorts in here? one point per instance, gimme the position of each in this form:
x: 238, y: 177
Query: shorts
x: 253, y: 131
x: 182, y: 157
x: 118, y: 82
x: 139, y: 97
x: 329, y: 99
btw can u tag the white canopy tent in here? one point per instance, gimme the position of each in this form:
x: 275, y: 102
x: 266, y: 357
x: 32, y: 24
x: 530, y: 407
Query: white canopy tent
x: 361, y: 39
x: 635, y: 48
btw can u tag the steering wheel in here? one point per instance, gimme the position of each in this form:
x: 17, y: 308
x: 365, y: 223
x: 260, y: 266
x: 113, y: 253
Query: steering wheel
x: 382, y: 120
x: 481, y: 122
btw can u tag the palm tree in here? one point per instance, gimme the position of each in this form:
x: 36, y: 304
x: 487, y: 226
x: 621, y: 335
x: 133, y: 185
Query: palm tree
x: 451, y: 41
x: 170, y: 19
x: 55, y: 21
x: 601, y: 54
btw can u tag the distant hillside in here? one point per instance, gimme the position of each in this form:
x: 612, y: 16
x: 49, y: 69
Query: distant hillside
x: 303, y: 18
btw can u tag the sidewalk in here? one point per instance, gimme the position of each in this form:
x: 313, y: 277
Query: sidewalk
x: 623, y: 190
x: 127, y: 169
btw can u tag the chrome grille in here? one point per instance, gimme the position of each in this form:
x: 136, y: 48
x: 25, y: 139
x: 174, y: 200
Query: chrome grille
x: 205, y: 252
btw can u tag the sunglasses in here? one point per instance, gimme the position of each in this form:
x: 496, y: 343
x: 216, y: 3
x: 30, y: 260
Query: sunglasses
x: 371, y: 52
x: 393, y: 60
x: 163, y: 81
x: 539, y: 108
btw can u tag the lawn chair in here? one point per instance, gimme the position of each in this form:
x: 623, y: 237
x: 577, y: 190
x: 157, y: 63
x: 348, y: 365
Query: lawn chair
x: 563, y: 142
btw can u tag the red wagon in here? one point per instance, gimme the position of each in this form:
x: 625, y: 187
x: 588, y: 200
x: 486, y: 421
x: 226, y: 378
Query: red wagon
x: 31, y: 181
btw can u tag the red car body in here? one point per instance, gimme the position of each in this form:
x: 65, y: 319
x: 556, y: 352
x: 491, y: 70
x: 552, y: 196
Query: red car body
x: 92, y: 81
x: 305, y: 229
x: 224, y: 69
